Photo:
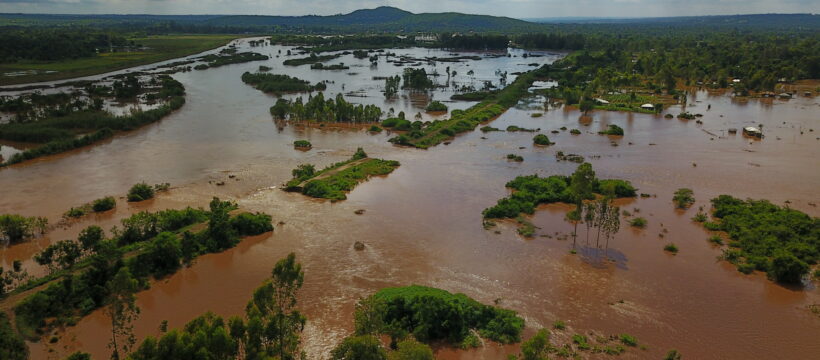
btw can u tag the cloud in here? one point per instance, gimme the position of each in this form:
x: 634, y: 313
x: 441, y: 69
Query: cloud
x: 512, y: 8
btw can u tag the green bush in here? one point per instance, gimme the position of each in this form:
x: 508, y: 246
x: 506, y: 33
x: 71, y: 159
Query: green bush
x: 541, y: 139
x: 560, y: 325
x: 683, y: 198
x: 716, y: 239
x: 375, y: 128
x: 629, y: 340
x: 12, y: 346
x: 140, y: 192
x: 436, y: 106
x: 575, y: 132
x: 638, y: 222
x: 671, y: 247
x: 104, y: 204
x: 613, y: 130
x: 514, y: 157
x: 302, y: 144
x: 75, y: 212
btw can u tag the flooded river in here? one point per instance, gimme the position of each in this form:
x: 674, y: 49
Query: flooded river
x: 422, y: 223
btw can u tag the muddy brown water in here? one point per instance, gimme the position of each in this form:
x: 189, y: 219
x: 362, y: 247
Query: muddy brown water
x: 422, y: 223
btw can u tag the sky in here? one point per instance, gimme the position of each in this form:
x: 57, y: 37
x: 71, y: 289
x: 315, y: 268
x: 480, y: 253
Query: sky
x: 511, y: 8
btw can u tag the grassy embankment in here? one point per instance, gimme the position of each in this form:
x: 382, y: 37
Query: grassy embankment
x: 161, y: 47
x: 462, y: 121
x: 334, y: 181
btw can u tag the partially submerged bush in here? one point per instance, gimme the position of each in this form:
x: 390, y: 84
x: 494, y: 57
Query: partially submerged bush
x: 638, y: 222
x: 541, y: 139
x: 683, y: 198
x: 436, y: 106
x: 140, y: 191
x: 104, y: 204
x: 302, y: 144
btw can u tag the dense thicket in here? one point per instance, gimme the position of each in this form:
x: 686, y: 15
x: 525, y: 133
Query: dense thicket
x: 783, y: 242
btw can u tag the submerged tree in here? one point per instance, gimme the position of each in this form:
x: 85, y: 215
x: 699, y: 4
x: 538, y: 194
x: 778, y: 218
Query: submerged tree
x: 123, y: 310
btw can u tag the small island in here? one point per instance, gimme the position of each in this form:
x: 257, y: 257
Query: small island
x: 334, y: 181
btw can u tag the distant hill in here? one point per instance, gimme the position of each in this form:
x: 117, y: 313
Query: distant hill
x: 387, y: 19
x: 391, y: 19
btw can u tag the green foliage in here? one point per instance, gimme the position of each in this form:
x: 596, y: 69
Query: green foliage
x: 104, y: 204
x: 613, y: 130
x: 781, y: 241
x: 159, y: 251
x: 364, y: 347
x: 433, y: 314
x: 375, y: 129
x: 140, y: 192
x: 559, y: 325
x: 575, y: 132
x: 628, y: 340
x: 436, y: 106
x: 537, y: 347
x: 541, y: 139
x: 489, y: 129
x: 638, y: 222
x: 12, y: 346
x: 411, y: 350
x: 515, y: 128
x: 581, y: 341
x: 514, y: 157
x: 672, y: 355
x: 683, y: 198
x: 699, y: 217
x: 59, y: 129
x: 716, y: 239
x: 79, y: 356
x: 334, y: 186
x: 417, y: 79
x: 277, y: 84
x: 317, y: 109
x: 671, y: 247
x: 248, y: 224
x: 304, y: 144
x: 16, y: 228
x: 532, y: 190
x: 470, y: 341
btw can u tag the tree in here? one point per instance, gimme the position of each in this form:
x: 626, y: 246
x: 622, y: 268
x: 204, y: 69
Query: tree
x: 123, y: 310
x: 90, y: 237
x: 613, y: 225
x: 221, y: 234
x: 140, y: 192
x: 581, y: 185
x: 586, y: 105
x: 574, y: 216
x: 787, y: 268
x: 369, y: 316
x: 274, y: 324
x: 589, y: 217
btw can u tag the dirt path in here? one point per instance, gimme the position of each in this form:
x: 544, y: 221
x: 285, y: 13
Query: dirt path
x: 334, y: 171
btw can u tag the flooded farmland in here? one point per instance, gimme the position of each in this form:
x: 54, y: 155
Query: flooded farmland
x: 423, y: 225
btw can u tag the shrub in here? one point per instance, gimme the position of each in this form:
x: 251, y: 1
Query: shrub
x: 716, y: 239
x: 671, y: 247
x: 104, y: 204
x: 613, y: 130
x: 629, y: 340
x: 581, y: 341
x: 699, y: 217
x: 514, y: 157
x: 12, y: 345
x: 140, y: 192
x: 638, y: 222
x: 787, y: 268
x: 541, y: 139
x: 575, y: 132
x: 411, y: 350
x: 470, y: 341
x: 16, y: 228
x: 436, y: 106
x: 302, y: 144
x: 359, y: 347
x: 683, y: 198
x: 489, y: 129
x: 75, y: 212
x: 558, y: 324
x: 375, y: 128
x: 672, y: 355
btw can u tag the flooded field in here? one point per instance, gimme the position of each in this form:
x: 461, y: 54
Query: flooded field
x: 422, y: 223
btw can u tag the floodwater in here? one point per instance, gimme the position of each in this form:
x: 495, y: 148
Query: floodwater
x: 422, y: 223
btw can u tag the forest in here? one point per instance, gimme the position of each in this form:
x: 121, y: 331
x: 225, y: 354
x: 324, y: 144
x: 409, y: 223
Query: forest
x: 321, y: 110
